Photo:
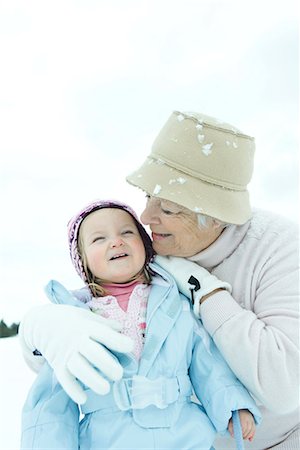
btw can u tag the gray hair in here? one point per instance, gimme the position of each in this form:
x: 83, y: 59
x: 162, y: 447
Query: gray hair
x: 205, y: 221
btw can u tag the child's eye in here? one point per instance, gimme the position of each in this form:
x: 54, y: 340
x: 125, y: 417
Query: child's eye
x: 98, y: 238
x: 127, y: 232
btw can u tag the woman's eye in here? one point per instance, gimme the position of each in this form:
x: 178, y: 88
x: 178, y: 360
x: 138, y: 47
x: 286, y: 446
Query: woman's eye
x: 167, y: 212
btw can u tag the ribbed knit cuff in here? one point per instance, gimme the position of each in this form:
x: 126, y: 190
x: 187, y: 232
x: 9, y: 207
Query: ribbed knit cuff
x: 290, y: 443
x: 217, y: 309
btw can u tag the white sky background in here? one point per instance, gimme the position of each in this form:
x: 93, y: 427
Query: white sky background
x: 85, y: 87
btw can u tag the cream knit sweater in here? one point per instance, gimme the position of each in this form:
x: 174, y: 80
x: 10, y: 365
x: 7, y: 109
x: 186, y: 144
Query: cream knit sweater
x: 257, y: 327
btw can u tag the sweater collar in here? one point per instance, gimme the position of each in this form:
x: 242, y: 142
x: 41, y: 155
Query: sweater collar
x: 222, y: 248
x: 116, y: 289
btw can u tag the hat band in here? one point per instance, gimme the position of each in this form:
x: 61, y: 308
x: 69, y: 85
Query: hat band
x: 192, y: 173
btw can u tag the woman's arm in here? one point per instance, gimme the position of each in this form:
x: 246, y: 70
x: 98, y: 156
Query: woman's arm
x: 214, y: 383
x: 262, y: 345
x: 75, y: 343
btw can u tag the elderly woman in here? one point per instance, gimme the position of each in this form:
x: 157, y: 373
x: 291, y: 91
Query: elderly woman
x: 238, y: 266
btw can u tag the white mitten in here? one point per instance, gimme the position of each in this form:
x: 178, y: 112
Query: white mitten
x: 70, y: 339
x: 192, y: 280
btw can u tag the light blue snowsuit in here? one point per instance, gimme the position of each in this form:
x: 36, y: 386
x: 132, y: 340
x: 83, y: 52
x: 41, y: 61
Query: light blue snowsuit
x: 150, y: 408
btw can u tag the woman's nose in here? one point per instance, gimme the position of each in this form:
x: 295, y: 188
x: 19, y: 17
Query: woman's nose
x: 150, y: 215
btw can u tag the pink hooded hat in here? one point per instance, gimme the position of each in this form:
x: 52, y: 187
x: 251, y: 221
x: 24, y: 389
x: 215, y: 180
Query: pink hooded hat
x: 76, y: 221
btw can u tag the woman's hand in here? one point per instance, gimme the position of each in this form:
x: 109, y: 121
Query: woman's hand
x: 192, y: 279
x: 247, y: 425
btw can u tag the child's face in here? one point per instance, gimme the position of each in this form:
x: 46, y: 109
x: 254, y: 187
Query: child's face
x: 113, y: 246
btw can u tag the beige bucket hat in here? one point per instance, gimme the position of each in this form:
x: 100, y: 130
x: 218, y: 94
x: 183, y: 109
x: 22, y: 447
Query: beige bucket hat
x: 202, y: 164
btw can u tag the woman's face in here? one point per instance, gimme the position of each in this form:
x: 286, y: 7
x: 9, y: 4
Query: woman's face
x: 175, y: 229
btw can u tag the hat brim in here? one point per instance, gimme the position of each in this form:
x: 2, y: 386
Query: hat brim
x: 162, y: 181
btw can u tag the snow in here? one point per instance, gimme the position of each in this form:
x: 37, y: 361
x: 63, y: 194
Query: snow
x: 200, y: 138
x: 180, y: 118
x: 179, y: 180
x: 15, y: 381
x: 207, y: 149
x: 157, y: 189
x: 197, y: 209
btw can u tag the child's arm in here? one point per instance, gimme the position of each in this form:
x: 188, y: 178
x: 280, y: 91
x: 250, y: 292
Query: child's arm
x: 247, y: 425
x: 214, y: 383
